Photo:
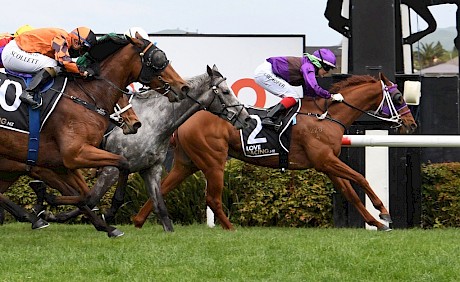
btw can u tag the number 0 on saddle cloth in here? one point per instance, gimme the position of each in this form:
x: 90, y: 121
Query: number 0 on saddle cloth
x: 14, y: 115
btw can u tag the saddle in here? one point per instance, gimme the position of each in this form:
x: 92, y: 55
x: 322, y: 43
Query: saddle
x: 259, y: 141
x: 15, y: 114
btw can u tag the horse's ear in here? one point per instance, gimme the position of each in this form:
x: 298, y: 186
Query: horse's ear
x: 209, y: 70
x: 138, y: 36
x: 130, y: 39
x: 381, y: 76
x: 135, y: 41
x: 214, y: 67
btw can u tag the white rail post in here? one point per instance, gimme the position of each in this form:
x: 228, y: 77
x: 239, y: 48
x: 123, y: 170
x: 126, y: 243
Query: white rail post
x: 377, y: 174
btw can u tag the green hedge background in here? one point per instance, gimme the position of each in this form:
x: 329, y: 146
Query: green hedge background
x: 257, y: 196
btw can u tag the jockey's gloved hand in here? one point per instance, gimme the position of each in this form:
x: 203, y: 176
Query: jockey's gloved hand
x: 337, y: 97
x: 91, y: 72
x: 86, y: 72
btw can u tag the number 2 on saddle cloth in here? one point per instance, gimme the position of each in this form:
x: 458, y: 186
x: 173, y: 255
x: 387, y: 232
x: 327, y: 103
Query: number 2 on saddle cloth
x: 259, y: 141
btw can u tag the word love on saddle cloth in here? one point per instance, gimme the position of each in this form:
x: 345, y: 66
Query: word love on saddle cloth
x: 259, y: 141
x: 14, y: 115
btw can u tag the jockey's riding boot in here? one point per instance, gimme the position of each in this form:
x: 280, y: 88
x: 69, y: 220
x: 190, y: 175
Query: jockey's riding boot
x: 272, y: 115
x: 41, y: 78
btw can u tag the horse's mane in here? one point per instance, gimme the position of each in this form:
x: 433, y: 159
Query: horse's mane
x: 197, y: 80
x: 352, y: 81
x: 194, y: 82
x: 106, y: 46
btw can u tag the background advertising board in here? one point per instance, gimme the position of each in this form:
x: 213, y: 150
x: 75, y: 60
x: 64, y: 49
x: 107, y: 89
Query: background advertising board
x: 236, y: 57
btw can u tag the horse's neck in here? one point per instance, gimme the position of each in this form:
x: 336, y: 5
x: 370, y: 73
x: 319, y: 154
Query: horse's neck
x: 199, y: 86
x: 165, y: 117
x: 118, y: 71
x: 363, y: 98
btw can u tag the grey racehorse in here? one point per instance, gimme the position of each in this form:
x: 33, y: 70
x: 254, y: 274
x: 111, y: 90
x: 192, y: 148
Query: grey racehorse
x: 146, y: 152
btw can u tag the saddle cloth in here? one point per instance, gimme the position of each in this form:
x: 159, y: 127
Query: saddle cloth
x: 259, y: 141
x: 14, y: 115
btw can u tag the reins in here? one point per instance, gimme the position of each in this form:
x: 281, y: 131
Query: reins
x: 214, y: 88
x: 148, y: 70
x: 387, y: 99
x: 321, y: 117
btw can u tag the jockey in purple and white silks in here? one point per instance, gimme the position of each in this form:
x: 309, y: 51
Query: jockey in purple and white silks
x: 279, y: 75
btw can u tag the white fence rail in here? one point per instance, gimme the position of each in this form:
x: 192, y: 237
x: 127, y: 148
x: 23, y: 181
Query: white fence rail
x: 401, y: 141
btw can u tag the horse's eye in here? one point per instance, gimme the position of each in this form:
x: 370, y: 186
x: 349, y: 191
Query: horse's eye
x: 226, y: 92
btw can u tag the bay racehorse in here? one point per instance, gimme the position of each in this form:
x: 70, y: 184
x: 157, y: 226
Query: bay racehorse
x: 69, y: 138
x: 147, y: 151
x: 123, y: 116
x: 204, y: 143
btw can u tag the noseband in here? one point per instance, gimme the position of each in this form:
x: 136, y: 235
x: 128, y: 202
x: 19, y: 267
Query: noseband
x: 391, y: 105
x: 118, y: 111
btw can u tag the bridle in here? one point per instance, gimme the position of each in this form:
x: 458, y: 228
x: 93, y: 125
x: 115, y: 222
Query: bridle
x: 154, y: 61
x: 392, y: 105
x: 118, y: 111
x: 389, y: 109
x: 224, y: 113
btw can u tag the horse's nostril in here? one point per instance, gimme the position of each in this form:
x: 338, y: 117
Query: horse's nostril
x: 185, y: 89
x: 137, y: 125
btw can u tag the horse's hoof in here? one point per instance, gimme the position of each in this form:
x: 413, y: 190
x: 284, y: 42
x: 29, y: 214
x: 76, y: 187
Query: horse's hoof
x: 167, y: 225
x: 115, y: 233
x: 168, y: 228
x: 386, y: 217
x: 137, y: 223
x: 384, y: 228
x: 39, y: 224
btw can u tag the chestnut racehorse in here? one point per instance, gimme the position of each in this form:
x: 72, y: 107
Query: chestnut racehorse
x: 204, y: 142
x: 69, y: 138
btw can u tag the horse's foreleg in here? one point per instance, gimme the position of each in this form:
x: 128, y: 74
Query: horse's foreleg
x: 118, y: 197
x: 347, y: 190
x: 178, y: 174
x: 59, y: 182
x: 152, y: 178
x: 89, y: 156
x: 21, y: 214
x: 100, y: 224
x: 214, y: 188
x: 11, y: 171
x: 106, y: 179
x: 141, y: 216
x: 39, y: 188
x: 335, y: 167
